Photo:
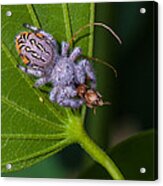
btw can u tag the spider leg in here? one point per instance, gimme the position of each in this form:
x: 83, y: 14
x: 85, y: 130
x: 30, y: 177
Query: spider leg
x: 40, y: 82
x: 58, y: 93
x: 32, y: 28
x: 75, y: 54
x: 34, y: 72
x: 64, y: 48
x: 53, y: 94
x: 38, y: 30
x: 84, y: 67
x: 65, y: 97
x: 70, y: 102
x: 79, y: 74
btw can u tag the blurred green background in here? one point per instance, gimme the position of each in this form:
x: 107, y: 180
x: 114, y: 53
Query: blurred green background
x: 131, y: 93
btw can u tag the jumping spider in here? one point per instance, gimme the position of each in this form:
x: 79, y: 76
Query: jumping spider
x: 39, y: 51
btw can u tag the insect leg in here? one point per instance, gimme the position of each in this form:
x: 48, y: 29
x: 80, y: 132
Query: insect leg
x: 34, y: 72
x: 65, y: 46
x: 75, y: 54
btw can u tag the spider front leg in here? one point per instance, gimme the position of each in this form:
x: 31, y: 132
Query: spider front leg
x: 34, y: 72
x: 75, y: 54
x: 83, y: 69
x: 64, y: 48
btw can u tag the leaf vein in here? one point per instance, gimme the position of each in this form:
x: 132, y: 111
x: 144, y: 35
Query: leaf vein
x: 33, y: 15
x: 67, y: 21
x: 61, y: 144
x: 34, y: 136
x: 30, y: 115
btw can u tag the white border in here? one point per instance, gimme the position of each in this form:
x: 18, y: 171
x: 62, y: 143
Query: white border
x: 58, y: 1
x: 59, y: 182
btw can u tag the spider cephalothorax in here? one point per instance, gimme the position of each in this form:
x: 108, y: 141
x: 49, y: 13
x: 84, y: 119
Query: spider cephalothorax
x: 39, y: 51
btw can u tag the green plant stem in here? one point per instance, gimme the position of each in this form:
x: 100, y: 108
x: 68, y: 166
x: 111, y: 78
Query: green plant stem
x: 79, y: 135
x: 100, y: 156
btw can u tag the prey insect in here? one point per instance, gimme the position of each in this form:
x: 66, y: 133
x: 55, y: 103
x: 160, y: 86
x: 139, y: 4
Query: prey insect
x: 39, y: 52
x: 92, y: 97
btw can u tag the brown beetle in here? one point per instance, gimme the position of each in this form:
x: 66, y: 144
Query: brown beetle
x: 92, y: 97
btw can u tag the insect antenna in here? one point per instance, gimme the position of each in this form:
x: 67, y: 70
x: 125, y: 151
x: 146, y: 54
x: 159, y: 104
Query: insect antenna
x: 104, y: 103
x: 96, y: 24
x: 94, y: 111
x: 107, y: 103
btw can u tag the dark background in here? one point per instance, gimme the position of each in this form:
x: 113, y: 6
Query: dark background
x: 132, y: 92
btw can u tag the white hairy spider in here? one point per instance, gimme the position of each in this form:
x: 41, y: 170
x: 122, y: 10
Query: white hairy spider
x: 39, y: 51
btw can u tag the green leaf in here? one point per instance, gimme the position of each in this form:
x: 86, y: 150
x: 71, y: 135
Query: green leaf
x: 130, y: 155
x: 32, y: 127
